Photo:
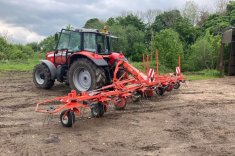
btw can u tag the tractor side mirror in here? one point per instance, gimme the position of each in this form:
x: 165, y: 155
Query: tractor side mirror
x: 56, y: 37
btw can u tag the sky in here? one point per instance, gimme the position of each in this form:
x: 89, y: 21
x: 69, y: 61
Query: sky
x: 25, y: 21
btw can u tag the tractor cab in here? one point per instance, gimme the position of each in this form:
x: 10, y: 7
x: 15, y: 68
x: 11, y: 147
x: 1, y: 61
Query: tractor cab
x: 90, y: 40
x: 83, y: 41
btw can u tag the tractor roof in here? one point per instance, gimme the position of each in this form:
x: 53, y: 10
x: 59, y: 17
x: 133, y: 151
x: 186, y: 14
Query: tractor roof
x: 88, y: 30
x: 103, y: 31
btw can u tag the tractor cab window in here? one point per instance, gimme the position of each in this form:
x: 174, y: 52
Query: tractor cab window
x: 90, y: 42
x: 102, y: 45
x: 69, y: 40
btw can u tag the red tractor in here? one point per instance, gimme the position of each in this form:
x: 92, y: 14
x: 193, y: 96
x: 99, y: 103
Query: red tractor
x: 83, y: 58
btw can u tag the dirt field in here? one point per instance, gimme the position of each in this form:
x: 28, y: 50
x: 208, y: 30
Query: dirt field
x: 198, y: 119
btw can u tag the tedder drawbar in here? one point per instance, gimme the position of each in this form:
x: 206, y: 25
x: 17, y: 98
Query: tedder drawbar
x: 133, y: 84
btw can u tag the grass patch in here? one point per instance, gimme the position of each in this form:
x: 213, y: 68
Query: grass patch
x: 203, y: 75
x: 21, y: 65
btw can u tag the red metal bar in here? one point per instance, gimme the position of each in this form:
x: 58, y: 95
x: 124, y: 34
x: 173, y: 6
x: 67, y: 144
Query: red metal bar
x: 179, y: 63
x: 144, y: 62
x: 147, y: 62
x: 157, y: 72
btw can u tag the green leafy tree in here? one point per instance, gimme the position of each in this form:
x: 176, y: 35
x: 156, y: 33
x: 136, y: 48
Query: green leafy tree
x: 231, y: 12
x: 131, y: 20
x: 216, y: 23
x: 205, y: 52
x: 131, y: 41
x: 173, y: 20
x: 34, y: 46
x: 94, y: 23
x: 170, y: 47
x: 48, y: 44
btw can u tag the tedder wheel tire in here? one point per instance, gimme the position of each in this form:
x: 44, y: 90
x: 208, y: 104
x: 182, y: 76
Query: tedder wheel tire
x: 84, y: 75
x: 121, y: 101
x: 160, y: 91
x: 67, y: 120
x: 97, y: 110
x: 42, y: 77
x: 136, y: 97
x: 177, y: 85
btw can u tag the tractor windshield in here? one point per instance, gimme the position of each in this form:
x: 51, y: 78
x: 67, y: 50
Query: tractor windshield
x: 69, y: 40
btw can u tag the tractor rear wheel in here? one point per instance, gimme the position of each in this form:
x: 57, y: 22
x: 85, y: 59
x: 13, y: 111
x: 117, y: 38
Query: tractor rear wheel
x: 86, y: 76
x: 42, y: 77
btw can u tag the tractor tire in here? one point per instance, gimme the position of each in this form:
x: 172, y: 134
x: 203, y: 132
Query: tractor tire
x: 86, y: 76
x: 97, y: 110
x: 67, y: 120
x: 42, y: 77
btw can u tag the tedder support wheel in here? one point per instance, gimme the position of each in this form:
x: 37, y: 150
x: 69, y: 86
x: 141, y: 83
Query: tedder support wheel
x: 67, y: 118
x: 120, y: 103
x: 177, y: 85
x: 42, y: 77
x: 97, y: 110
x: 160, y: 91
x: 84, y: 75
x: 136, y: 97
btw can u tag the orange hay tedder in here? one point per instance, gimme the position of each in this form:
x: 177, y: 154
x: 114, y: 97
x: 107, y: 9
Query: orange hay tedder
x: 132, y: 84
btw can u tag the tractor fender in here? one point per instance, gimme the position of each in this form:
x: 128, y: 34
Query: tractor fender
x: 51, y: 67
x: 99, y: 62
x: 96, y: 59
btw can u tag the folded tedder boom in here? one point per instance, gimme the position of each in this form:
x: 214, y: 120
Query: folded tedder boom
x: 132, y: 84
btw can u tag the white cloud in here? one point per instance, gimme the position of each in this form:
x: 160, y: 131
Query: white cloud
x: 18, y: 34
x: 31, y: 20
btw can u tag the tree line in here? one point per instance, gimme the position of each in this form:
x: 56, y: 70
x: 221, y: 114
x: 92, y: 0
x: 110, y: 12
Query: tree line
x: 193, y: 33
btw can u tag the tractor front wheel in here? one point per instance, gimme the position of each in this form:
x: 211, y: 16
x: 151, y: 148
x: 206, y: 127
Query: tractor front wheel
x: 42, y: 77
x: 84, y: 75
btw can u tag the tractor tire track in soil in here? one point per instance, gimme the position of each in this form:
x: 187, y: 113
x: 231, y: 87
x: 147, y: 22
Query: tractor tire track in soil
x: 197, y: 119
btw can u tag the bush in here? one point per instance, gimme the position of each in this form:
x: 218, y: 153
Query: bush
x: 170, y: 47
x: 10, y: 51
x: 204, y: 53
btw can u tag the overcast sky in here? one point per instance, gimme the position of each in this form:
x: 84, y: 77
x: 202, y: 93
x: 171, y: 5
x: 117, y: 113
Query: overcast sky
x: 26, y: 21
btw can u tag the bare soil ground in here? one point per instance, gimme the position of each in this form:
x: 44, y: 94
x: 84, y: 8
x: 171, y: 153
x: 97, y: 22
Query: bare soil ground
x: 198, y: 119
